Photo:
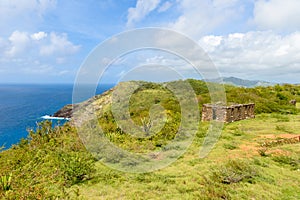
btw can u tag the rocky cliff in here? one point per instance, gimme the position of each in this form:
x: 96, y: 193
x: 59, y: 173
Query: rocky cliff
x: 68, y: 110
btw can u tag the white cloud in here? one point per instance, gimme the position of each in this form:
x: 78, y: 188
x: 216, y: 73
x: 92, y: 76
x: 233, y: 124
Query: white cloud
x: 23, y: 44
x: 255, y: 53
x: 58, y: 44
x: 165, y: 6
x: 224, y: 3
x: 210, y: 42
x: 38, y: 36
x: 141, y: 10
x: 200, y: 17
x: 15, y: 8
x: 35, y: 53
x: 19, y: 42
x: 277, y: 14
x: 23, y: 15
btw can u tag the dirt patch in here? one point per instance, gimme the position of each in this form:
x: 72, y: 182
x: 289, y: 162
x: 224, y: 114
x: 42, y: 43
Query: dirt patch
x: 246, y: 150
x: 274, y: 136
x: 250, y: 148
x: 279, y: 152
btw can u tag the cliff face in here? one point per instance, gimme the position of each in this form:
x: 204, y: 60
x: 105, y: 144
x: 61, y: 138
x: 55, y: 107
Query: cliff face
x: 65, y: 112
x: 68, y: 110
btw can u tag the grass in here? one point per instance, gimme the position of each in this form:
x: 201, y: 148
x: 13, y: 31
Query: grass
x: 294, y: 163
x: 227, y: 173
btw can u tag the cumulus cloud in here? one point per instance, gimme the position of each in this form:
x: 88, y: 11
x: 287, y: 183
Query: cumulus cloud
x: 58, y: 44
x: 200, y: 17
x: 277, y: 14
x: 142, y: 9
x: 19, y: 41
x: 255, y: 53
x: 22, y: 44
x: 35, y: 53
x: 38, y: 36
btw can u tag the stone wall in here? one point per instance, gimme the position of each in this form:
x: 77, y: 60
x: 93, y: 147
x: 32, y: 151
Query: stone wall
x: 230, y: 113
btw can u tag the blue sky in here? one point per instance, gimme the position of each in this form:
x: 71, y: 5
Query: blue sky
x: 46, y: 41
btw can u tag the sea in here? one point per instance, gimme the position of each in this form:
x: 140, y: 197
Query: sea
x: 22, y: 106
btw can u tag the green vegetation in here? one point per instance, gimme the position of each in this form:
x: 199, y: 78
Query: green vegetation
x: 253, y: 159
x: 46, y: 163
x: 267, y: 99
x: 6, y: 182
x: 239, y: 173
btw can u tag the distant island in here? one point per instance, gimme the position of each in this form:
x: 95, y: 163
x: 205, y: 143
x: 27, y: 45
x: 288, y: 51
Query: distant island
x: 242, y: 82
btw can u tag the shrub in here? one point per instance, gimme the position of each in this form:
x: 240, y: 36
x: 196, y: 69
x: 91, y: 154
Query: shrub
x: 238, y: 132
x: 235, y: 171
x: 76, y: 166
x: 230, y: 146
x: 262, y: 151
x: 44, y: 164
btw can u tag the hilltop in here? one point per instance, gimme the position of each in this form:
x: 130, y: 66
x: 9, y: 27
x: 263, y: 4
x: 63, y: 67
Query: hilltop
x: 270, y: 98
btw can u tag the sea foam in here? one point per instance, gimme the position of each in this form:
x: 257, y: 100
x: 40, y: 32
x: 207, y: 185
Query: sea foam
x: 55, y: 118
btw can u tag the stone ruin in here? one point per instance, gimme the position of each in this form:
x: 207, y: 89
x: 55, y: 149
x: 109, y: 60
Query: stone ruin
x: 293, y: 102
x: 222, y: 113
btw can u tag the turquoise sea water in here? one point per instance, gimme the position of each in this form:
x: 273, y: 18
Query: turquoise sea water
x: 22, y: 106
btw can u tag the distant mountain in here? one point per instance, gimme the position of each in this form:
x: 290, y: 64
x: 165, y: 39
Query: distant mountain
x: 242, y: 82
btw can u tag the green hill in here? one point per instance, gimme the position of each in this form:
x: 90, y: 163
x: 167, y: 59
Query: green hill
x: 242, y: 82
x: 253, y: 159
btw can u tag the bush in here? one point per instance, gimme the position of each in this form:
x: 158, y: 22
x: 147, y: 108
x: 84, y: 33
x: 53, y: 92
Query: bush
x: 76, y: 167
x: 44, y: 164
x: 230, y: 146
x: 238, y: 132
x: 235, y: 171
x: 262, y: 151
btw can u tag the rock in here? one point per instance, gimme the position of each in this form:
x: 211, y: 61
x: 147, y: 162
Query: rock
x: 66, y: 111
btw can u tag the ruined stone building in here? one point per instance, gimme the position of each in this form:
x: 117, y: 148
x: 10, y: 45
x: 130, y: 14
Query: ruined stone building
x: 230, y: 113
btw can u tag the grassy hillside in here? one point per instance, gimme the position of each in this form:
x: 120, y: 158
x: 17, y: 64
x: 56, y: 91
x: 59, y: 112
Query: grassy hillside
x: 253, y: 159
x: 239, y: 167
x: 45, y: 164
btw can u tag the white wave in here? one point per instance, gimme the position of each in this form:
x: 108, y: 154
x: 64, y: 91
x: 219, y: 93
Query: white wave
x: 56, y: 118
